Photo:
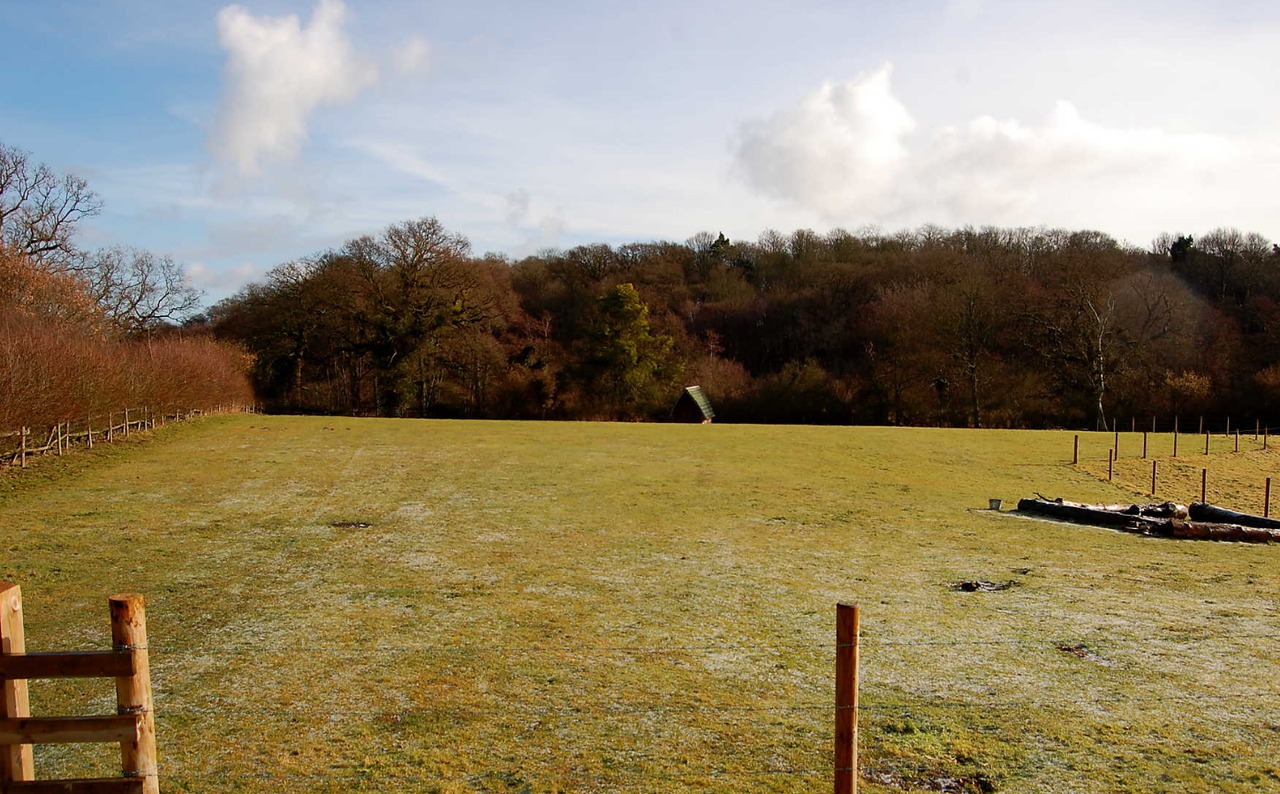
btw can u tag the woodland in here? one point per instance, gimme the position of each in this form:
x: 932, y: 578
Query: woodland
x: 986, y: 327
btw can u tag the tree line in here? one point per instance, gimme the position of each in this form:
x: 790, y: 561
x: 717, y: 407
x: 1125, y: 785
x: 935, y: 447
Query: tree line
x: 1007, y: 327
x: 90, y: 332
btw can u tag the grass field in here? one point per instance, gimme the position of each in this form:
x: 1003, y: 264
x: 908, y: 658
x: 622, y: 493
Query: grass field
x: 602, y: 607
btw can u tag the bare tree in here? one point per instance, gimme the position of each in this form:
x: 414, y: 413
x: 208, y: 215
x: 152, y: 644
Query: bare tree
x: 137, y: 289
x: 40, y: 209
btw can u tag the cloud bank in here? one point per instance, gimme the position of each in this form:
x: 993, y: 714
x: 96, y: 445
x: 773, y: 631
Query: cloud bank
x: 851, y: 152
x: 278, y: 73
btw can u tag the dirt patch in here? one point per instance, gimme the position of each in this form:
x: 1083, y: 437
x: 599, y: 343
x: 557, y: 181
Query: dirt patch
x: 982, y: 586
x: 1081, y: 651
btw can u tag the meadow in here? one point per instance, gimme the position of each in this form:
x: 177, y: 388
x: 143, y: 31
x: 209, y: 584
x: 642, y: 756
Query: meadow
x: 413, y: 605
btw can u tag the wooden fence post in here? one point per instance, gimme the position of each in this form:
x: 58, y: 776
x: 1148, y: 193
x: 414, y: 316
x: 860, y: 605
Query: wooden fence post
x: 126, y: 423
x: 111, y: 426
x: 22, y: 447
x: 1204, y: 485
x: 1153, y: 478
x: 1144, y: 445
x: 88, y: 429
x: 1075, y: 451
x: 17, y: 762
x: 1175, y: 443
x: 846, y: 750
x: 1266, y: 500
x: 133, y: 693
x: 1111, y: 462
x: 1237, y: 439
x: 1206, y: 443
x: 1116, y: 445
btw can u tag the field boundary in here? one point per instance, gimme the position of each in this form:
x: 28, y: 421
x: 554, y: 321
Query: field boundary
x: 61, y: 437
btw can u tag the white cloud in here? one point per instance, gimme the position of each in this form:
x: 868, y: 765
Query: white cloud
x: 413, y: 56
x: 278, y: 72
x: 847, y: 153
x: 840, y: 151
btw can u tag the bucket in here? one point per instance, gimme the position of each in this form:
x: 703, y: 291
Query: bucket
x: 995, y: 504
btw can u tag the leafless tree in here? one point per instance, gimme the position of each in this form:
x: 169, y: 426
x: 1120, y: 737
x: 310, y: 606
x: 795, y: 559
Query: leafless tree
x: 138, y: 290
x: 40, y: 209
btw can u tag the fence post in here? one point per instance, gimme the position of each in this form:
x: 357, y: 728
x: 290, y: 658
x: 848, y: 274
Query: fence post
x: 1111, y: 462
x: 126, y: 423
x: 133, y: 693
x: 1237, y: 439
x: 1075, y: 451
x: 1266, y: 500
x: 1206, y: 443
x: 1144, y: 445
x: 846, y: 751
x: 17, y: 762
x: 1153, y: 478
x: 22, y: 447
x: 1204, y: 485
x: 88, y: 430
x: 1175, y: 443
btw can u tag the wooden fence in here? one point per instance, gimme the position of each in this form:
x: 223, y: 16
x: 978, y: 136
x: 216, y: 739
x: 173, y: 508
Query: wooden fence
x: 133, y: 724
x: 119, y: 424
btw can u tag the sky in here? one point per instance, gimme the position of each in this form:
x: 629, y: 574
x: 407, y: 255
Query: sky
x: 236, y: 137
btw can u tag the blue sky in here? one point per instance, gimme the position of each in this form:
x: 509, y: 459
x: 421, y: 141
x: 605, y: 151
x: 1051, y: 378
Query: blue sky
x: 236, y: 137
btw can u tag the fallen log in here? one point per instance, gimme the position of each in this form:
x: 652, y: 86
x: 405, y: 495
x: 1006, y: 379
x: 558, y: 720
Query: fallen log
x: 1220, y: 515
x: 1090, y: 514
x: 1235, y: 533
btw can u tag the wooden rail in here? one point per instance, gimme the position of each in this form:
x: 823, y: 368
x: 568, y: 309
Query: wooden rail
x: 89, y: 429
x: 132, y: 727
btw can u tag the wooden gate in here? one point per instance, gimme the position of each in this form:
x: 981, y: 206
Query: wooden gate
x: 133, y: 724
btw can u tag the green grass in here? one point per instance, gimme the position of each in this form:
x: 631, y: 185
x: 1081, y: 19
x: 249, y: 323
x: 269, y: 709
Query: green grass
x: 607, y: 607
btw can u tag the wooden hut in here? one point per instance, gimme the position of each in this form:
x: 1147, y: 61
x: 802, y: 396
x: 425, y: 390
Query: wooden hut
x: 693, y: 406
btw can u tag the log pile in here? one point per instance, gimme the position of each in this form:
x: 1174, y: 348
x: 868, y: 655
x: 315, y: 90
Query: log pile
x: 1167, y: 520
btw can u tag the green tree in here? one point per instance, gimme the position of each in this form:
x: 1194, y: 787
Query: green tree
x: 626, y: 364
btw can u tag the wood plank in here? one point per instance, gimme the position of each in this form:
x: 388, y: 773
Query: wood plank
x: 70, y: 730
x: 67, y: 664
x: 16, y: 760
x: 104, y: 785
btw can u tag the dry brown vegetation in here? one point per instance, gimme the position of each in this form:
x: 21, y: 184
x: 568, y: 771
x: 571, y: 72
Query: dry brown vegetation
x: 60, y: 358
